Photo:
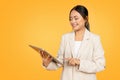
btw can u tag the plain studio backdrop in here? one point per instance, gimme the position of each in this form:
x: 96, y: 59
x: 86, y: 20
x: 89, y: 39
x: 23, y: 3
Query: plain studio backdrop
x: 42, y: 23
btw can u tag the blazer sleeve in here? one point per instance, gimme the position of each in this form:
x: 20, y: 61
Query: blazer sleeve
x: 97, y: 63
x: 53, y: 65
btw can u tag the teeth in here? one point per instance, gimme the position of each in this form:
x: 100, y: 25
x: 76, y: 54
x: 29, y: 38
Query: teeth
x: 74, y: 25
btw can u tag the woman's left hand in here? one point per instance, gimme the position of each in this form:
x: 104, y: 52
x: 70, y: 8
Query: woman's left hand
x: 73, y: 61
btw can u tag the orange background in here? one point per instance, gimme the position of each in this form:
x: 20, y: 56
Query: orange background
x: 42, y: 23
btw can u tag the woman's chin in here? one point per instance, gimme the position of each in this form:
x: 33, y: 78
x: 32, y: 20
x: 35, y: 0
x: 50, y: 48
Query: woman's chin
x: 74, y: 29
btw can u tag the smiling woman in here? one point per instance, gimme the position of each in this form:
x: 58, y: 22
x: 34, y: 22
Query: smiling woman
x: 80, y: 51
x: 41, y: 23
x: 79, y: 14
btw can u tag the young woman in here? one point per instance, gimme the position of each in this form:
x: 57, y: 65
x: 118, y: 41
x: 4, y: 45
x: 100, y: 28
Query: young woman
x: 80, y: 51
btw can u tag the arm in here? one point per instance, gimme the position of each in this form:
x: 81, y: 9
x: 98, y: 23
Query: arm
x: 97, y: 63
x: 52, y: 65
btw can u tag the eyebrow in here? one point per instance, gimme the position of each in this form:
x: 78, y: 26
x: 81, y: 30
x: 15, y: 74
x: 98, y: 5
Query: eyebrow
x: 74, y: 16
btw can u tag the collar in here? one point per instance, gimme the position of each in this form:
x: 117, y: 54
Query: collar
x: 85, y: 37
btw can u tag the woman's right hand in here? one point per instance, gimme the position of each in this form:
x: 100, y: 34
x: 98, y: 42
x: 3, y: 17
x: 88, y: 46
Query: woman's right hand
x: 46, y: 59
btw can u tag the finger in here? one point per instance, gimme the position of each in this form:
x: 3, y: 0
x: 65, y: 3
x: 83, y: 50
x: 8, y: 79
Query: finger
x: 75, y: 60
x: 42, y: 54
x: 49, y: 58
x: 45, y: 55
x: 47, y: 61
x: 72, y: 64
x: 71, y: 60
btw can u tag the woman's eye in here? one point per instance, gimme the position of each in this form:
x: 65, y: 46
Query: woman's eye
x: 76, y: 18
x: 70, y: 19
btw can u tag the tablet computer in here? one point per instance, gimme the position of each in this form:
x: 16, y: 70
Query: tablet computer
x: 45, y: 54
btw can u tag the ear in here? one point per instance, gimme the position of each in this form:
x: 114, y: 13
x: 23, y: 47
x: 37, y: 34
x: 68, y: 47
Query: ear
x: 86, y: 18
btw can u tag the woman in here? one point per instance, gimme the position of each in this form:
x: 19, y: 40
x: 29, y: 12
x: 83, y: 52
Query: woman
x: 80, y: 51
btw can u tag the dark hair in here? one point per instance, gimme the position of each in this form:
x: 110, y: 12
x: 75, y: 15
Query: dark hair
x: 83, y: 12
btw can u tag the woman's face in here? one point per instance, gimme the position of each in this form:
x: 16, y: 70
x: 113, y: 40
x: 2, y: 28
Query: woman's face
x: 76, y: 20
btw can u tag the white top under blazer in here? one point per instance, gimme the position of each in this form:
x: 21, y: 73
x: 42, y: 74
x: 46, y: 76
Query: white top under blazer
x: 76, y: 48
x: 90, y: 53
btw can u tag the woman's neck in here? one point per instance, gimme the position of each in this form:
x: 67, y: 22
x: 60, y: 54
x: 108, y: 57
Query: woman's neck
x: 79, y: 34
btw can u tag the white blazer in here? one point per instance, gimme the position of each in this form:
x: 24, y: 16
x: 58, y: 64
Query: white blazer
x: 91, y: 55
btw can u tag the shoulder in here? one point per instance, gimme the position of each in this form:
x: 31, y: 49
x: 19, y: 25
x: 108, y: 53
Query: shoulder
x: 94, y: 37
x: 67, y: 35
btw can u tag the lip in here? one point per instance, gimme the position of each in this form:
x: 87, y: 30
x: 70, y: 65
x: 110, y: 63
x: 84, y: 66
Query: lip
x: 74, y: 25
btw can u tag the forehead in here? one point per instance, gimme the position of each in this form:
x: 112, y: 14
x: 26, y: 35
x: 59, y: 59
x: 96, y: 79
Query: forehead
x: 75, y: 13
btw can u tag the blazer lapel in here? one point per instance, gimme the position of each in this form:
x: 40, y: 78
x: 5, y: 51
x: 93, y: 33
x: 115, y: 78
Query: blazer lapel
x: 71, y: 42
x: 84, y: 43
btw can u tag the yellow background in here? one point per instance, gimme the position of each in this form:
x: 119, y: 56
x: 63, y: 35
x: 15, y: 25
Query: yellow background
x: 42, y: 23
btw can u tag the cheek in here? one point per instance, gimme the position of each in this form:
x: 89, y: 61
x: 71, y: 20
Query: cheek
x: 81, y: 22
